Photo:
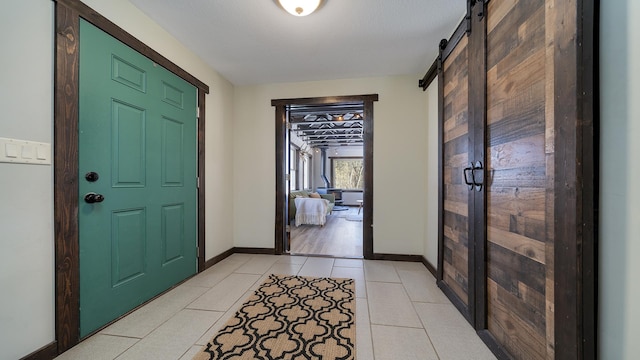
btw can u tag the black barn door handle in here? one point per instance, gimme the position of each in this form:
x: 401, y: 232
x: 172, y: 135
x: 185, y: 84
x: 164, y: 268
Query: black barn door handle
x: 477, y: 183
x: 466, y: 179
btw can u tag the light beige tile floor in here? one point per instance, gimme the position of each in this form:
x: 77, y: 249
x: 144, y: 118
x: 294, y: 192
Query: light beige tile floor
x: 400, y: 312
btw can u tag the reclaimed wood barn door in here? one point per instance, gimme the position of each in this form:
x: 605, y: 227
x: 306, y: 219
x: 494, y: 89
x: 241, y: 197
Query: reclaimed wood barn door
x: 517, y: 181
x: 520, y: 167
x: 455, y: 204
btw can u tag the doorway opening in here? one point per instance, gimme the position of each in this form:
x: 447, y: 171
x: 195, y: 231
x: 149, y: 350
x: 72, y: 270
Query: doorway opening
x: 324, y: 176
x: 326, y: 161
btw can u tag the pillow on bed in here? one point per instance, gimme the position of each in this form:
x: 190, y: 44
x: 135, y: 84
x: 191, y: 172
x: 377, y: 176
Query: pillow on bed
x: 314, y: 195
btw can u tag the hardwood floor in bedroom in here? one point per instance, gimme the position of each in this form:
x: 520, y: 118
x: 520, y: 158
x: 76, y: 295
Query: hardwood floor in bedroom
x: 340, y: 236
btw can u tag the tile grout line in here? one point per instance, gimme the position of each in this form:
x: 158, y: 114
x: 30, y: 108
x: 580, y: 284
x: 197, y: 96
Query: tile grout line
x: 185, y: 353
x: 230, y: 308
x: 120, y: 336
x: 127, y: 349
x: 373, y: 346
x: 397, y: 326
x: 424, y: 328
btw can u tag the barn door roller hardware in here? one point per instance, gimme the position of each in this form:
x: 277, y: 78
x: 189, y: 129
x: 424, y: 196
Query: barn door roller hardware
x: 468, y: 18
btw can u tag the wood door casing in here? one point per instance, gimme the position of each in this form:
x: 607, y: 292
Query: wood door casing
x: 281, y: 165
x: 520, y: 165
x: 455, y: 260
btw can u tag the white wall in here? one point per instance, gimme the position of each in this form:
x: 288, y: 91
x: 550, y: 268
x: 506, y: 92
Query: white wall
x: 431, y: 225
x: 351, y: 198
x: 26, y: 195
x: 619, y: 171
x: 317, y: 181
x: 399, y: 159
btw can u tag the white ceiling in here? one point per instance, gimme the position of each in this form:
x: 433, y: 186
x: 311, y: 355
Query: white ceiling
x: 256, y: 42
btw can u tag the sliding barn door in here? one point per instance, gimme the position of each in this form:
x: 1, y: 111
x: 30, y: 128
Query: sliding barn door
x: 520, y: 163
x: 518, y: 198
x: 456, y: 199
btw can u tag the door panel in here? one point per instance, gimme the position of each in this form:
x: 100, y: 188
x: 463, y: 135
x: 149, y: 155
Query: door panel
x: 137, y: 130
x: 172, y: 95
x: 520, y: 192
x: 128, y: 74
x: 172, y: 233
x: 128, y: 245
x: 128, y: 145
x: 172, y: 152
x: 456, y: 158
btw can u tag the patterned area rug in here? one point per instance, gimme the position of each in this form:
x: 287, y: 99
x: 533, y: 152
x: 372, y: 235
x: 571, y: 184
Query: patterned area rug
x: 290, y: 317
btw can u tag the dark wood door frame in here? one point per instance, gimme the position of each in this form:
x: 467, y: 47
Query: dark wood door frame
x: 66, y: 90
x: 281, y: 170
x: 477, y: 55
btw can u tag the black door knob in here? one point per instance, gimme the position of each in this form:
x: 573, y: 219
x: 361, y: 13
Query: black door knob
x: 91, y: 198
x: 92, y: 176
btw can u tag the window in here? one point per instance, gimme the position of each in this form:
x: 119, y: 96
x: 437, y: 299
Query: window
x: 347, y: 173
x: 306, y: 171
x: 293, y: 167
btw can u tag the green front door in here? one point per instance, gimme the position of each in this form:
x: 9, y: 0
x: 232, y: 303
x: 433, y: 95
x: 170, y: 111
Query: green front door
x: 137, y: 179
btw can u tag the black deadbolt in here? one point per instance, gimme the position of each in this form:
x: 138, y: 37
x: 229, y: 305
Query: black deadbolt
x: 92, y: 176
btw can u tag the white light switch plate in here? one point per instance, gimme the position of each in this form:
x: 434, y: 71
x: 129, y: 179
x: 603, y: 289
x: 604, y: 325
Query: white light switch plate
x: 24, y: 152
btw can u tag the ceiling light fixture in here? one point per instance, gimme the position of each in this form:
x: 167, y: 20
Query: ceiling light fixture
x: 299, y: 7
